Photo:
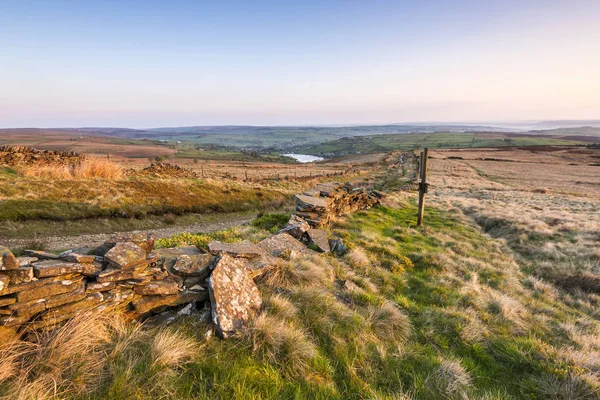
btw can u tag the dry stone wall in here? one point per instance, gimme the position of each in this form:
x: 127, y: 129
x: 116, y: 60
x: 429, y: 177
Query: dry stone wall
x: 127, y: 274
x: 22, y: 155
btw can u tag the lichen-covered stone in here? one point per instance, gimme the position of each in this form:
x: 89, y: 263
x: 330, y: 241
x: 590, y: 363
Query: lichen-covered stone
x: 235, y: 299
x: 281, y: 242
x: 45, y: 269
x: 157, y: 288
x: 114, y: 274
x: 75, y: 295
x: 4, y: 281
x: 5, y: 301
x: 92, y: 287
x: 26, y: 261
x: 125, y: 255
x: 310, y: 203
x: 77, y: 258
x: 42, y: 255
x: 196, y: 265
x: 19, y: 275
x: 48, y: 290
x: 7, y: 259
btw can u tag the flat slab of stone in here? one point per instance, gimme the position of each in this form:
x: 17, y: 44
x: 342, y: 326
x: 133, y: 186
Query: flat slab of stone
x: 161, y: 288
x: 235, y: 299
x: 45, y: 269
x: 194, y: 265
x: 92, y: 287
x: 7, y: 259
x: 37, y: 283
x: 48, y: 290
x: 143, y: 240
x: 277, y: 244
x: 25, y: 261
x: 318, y: 238
x: 310, y: 202
x: 115, y: 274
x: 241, y: 250
x: 75, y: 295
x: 125, y: 255
x: 42, y: 255
x: 5, y: 301
x: 77, y: 258
x: 178, y: 251
x: 88, y: 302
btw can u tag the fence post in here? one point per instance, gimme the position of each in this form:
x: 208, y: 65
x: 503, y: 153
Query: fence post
x: 423, y: 185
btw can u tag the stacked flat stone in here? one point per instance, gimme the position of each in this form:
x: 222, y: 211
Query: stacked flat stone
x: 23, y: 155
x: 318, y: 205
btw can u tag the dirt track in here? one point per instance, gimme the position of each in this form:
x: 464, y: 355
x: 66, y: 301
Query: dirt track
x: 72, y: 242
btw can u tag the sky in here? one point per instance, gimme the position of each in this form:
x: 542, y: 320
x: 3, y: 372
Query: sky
x: 149, y: 63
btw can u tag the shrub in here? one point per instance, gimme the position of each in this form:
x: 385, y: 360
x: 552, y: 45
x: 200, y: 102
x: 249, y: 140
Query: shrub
x: 271, y: 222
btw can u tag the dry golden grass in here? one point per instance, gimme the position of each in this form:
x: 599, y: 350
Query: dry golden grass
x: 92, y: 168
x: 84, y: 353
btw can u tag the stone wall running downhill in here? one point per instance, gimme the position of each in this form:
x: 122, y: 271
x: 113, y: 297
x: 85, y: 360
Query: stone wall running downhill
x: 127, y: 274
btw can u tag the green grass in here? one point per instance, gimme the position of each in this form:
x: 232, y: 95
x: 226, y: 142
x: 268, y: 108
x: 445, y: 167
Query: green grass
x: 434, y: 312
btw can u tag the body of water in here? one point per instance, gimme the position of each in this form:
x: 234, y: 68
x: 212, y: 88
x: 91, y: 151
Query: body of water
x: 304, y: 158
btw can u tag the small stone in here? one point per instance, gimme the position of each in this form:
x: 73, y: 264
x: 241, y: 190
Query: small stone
x: 162, y: 319
x: 196, y: 265
x: 26, y: 261
x: 7, y: 259
x: 243, y: 249
x: 318, y: 238
x: 114, y: 274
x: 77, y: 258
x: 295, y: 227
x: 5, y: 301
x: 4, y: 281
x: 44, y: 269
x: 157, y: 288
x: 235, y: 299
x: 92, y: 287
x: 337, y: 246
x: 126, y: 255
x: 19, y: 275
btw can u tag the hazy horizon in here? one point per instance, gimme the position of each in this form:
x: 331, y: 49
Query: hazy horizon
x: 151, y: 64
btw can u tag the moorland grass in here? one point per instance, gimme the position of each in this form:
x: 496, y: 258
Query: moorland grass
x: 461, y: 320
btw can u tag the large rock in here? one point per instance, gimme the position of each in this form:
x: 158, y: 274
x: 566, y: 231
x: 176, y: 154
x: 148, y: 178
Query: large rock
x: 38, y: 283
x: 69, y: 309
x: 196, y: 265
x: 277, y: 244
x: 75, y: 295
x: 125, y: 255
x: 44, y: 269
x: 234, y: 297
x: 7, y: 259
x: 318, y: 238
x: 243, y: 249
x: 295, y: 227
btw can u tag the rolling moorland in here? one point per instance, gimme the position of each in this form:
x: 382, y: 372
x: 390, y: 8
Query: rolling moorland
x: 494, y: 298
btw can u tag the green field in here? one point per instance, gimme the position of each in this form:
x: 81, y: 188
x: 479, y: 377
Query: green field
x: 383, y: 143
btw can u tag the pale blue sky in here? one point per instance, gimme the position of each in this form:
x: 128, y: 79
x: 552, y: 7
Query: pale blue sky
x: 172, y: 63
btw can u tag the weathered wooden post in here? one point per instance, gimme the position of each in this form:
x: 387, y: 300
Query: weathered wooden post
x: 423, y: 185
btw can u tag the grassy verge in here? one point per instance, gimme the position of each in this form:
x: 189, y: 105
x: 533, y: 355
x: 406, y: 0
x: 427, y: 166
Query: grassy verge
x: 439, y: 312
